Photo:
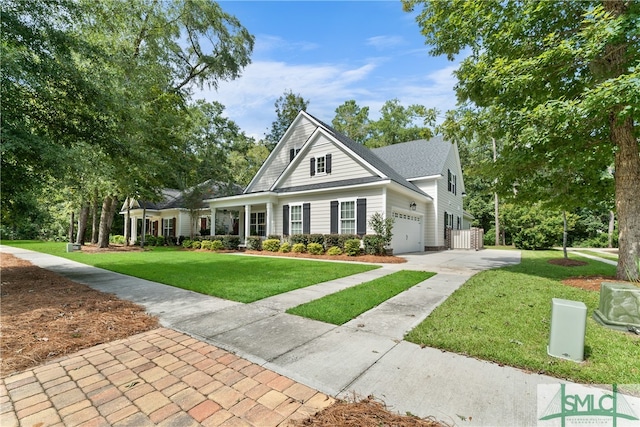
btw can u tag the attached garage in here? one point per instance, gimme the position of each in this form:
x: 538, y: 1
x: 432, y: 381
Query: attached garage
x: 407, y: 233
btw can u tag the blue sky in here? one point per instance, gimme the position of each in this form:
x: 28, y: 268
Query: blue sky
x: 330, y: 52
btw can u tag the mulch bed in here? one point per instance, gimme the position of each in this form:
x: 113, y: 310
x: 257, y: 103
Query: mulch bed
x: 566, y: 262
x: 368, y: 412
x: 44, y: 316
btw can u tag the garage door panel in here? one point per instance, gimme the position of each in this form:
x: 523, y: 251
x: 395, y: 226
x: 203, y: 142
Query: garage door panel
x: 407, y: 233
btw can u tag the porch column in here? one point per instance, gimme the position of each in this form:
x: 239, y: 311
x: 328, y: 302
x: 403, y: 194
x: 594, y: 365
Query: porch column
x: 212, y: 230
x: 134, y: 229
x: 247, y: 222
x: 269, y: 229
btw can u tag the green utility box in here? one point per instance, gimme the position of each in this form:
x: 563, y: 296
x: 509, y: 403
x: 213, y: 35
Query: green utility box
x: 619, y: 306
x: 568, y: 326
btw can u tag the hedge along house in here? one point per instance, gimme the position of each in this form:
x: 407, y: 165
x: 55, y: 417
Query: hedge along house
x: 172, y: 216
x: 317, y: 180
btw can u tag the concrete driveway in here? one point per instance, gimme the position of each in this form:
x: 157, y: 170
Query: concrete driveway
x: 458, y: 261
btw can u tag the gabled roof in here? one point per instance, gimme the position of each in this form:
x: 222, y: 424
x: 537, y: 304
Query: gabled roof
x: 174, y: 199
x: 418, y: 158
x: 370, y: 157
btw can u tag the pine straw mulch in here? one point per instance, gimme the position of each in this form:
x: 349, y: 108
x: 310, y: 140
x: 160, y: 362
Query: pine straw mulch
x: 367, y: 412
x: 44, y: 316
x: 589, y: 283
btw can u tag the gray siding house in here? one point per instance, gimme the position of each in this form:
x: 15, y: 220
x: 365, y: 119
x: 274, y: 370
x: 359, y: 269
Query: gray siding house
x: 317, y: 180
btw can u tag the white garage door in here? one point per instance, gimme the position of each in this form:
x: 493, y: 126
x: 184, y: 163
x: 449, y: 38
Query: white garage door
x: 407, y: 233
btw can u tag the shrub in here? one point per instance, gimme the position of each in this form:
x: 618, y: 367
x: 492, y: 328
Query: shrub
x: 334, y: 250
x: 315, y: 238
x: 331, y: 240
x: 159, y: 241
x: 344, y: 237
x: 352, y: 247
x: 171, y: 241
x: 274, y: 236
x: 285, y: 247
x: 489, y: 238
x: 117, y: 239
x: 181, y: 239
x: 315, y: 248
x: 299, y: 238
x: 298, y: 248
x: 383, y: 228
x: 231, y: 242
x: 205, y: 244
x: 271, y: 245
x: 186, y: 243
x: 216, y: 245
x: 373, y: 244
x: 196, y: 244
x: 254, y: 243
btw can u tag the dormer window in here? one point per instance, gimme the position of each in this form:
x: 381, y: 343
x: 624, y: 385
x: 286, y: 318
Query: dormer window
x: 320, y: 165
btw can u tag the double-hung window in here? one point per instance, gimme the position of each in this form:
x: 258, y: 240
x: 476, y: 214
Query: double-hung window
x: 296, y: 219
x: 320, y: 165
x: 347, y: 217
x: 257, y: 225
x: 167, y: 227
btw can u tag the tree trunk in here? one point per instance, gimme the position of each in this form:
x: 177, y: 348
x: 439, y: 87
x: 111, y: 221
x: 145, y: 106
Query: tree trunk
x: 627, y: 177
x: 612, y: 224
x: 71, y: 224
x: 82, y: 224
x: 106, y: 219
x: 94, y: 218
x: 564, y: 234
x: 495, y: 197
x: 627, y: 162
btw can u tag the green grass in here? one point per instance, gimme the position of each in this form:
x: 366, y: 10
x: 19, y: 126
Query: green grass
x: 503, y: 316
x: 237, y: 278
x: 340, y: 307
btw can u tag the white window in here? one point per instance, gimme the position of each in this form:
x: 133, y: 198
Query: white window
x: 320, y: 165
x: 257, y: 225
x: 167, y: 227
x: 296, y: 219
x: 347, y: 217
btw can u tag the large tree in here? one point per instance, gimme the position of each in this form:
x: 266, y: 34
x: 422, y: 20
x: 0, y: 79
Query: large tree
x: 287, y: 106
x: 352, y: 121
x: 565, y: 79
x: 398, y: 123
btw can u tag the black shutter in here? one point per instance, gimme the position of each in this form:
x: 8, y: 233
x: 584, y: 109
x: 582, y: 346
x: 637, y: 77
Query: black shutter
x: 334, y: 217
x: 361, y: 217
x: 448, y: 179
x: 327, y: 164
x: 455, y: 185
x: 285, y: 220
x: 306, y: 218
x: 173, y: 227
x: 292, y: 154
x: 446, y: 221
x: 313, y: 166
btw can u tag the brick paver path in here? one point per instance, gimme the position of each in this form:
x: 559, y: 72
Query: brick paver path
x: 161, y: 377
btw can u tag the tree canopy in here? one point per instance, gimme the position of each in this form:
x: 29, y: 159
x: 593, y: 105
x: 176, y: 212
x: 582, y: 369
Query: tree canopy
x: 287, y: 106
x: 563, y: 80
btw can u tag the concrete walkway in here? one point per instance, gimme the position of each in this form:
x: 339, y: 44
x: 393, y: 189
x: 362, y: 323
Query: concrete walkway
x: 366, y: 356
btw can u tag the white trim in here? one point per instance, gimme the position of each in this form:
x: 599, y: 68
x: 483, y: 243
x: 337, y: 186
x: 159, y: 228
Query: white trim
x: 355, y: 214
x: 291, y: 206
x: 419, y: 178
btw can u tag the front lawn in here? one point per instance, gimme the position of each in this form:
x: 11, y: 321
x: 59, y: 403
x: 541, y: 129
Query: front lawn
x: 504, y: 315
x: 233, y: 277
x: 340, y: 307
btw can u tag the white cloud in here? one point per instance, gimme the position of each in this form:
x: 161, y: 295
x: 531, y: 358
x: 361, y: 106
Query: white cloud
x: 385, y: 42
x: 250, y: 99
